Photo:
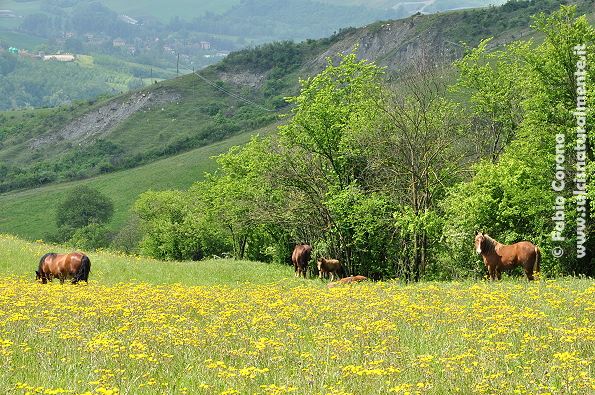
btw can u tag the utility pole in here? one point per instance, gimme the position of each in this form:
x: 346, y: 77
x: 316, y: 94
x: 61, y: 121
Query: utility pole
x: 178, y: 65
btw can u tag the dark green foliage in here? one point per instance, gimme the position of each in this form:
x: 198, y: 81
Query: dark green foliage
x: 7, y: 63
x: 512, y: 199
x: 128, y: 238
x: 84, y: 206
x: 174, y: 228
x: 27, y: 84
x: 91, y: 237
x: 40, y: 25
x: 97, y: 18
x: 377, y: 175
x: 61, y: 235
x: 285, y: 55
x: 471, y: 26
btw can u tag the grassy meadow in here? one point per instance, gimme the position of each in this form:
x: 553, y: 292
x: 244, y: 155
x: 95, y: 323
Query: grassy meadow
x: 224, y: 327
x: 31, y: 213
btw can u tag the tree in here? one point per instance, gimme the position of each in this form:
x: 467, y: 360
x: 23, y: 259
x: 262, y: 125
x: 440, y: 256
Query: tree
x: 320, y: 159
x: 416, y: 150
x: 512, y: 198
x: 493, y: 82
x: 82, y: 206
x: 176, y: 226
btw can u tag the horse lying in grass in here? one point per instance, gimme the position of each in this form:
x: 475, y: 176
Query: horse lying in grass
x: 74, y: 265
x: 498, y: 256
x: 300, y: 258
x: 328, y: 266
x: 348, y: 280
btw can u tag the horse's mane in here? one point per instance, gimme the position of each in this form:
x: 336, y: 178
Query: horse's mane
x: 488, y: 245
x: 52, y: 254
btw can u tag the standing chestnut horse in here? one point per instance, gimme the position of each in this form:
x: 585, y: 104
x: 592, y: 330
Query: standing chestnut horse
x: 74, y: 265
x: 498, y: 256
x: 330, y: 266
x: 300, y: 258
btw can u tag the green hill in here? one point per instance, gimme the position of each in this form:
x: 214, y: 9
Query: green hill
x: 31, y: 213
x: 133, y: 142
x: 152, y: 34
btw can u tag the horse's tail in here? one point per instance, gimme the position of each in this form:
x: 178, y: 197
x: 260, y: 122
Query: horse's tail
x: 536, y: 265
x: 84, y: 269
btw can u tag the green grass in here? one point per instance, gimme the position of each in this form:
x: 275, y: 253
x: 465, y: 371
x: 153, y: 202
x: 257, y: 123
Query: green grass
x: 20, y: 258
x: 222, y: 327
x: 20, y: 40
x: 31, y: 213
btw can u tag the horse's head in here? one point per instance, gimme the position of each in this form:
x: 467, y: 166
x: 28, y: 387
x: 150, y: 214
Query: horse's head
x: 320, y: 262
x: 479, y: 240
x: 39, y: 275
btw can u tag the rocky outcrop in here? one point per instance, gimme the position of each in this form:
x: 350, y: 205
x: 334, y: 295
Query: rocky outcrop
x: 99, y: 122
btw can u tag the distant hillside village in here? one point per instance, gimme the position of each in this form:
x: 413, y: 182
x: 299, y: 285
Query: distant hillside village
x: 40, y: 55
x: 64, y: 45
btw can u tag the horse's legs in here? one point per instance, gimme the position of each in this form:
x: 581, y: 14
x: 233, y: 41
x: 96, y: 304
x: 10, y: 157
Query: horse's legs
x: 498, y: 274
x: 529, y: 273
x: 492, y: 273
x: 61, y: 279
x: 332, y: 276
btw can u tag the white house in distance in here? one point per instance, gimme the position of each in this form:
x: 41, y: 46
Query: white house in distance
x: 67, y: 57
x: 205, y: 45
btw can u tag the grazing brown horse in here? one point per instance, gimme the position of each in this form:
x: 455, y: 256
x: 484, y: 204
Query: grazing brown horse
x: 348, y: 280
x: 331, y: 266
x: 498, y: 256
x: 300, y: 258
x: 74, y: 265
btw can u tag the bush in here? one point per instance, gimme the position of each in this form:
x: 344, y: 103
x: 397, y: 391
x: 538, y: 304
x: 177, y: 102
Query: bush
x: 129, y: 237
x: 91, y: 237
x: 61, y: 235
x: 83, y: 206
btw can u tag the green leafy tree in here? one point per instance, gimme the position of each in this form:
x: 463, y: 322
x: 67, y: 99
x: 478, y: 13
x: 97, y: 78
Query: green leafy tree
x: 175, y: 228
x: 512, y: 199
x: 240, y: 196
x: 82, y: 206
x: 320, y: 159
x: 416, y: 149
x: 494, y: 83
x: 92, y: 236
